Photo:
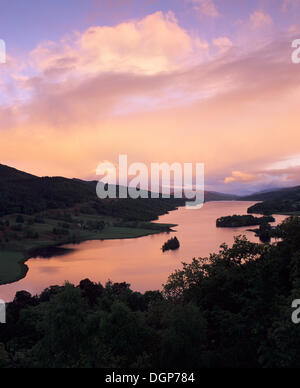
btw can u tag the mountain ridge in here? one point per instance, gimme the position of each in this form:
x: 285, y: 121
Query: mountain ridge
x: 22, y: 191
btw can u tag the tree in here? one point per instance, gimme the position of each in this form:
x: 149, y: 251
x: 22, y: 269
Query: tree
x: 91, y: 291
x: 5, y: 361
x: 63, y: 329
x: 125, y: 336
x: 184, y: 340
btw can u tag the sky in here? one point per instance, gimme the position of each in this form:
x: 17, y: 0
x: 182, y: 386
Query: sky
x: 201, y: 81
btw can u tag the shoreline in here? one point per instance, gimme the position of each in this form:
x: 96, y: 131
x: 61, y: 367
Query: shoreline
x: 21, y: 262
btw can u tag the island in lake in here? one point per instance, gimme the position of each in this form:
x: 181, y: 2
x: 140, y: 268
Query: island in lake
x: 172, y: 245
x: 236, y: 221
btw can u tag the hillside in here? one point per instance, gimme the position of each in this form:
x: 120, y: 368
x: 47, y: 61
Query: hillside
x: 9, y: 173
x: 287, y: 193
x: 28, y: 194
x: 214, y: 196
x: 284, y: 201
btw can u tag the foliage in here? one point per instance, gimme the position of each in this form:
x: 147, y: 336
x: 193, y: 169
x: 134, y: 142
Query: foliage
x: 172, y: 244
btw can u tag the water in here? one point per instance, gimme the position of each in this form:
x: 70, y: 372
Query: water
x: 139, y: 262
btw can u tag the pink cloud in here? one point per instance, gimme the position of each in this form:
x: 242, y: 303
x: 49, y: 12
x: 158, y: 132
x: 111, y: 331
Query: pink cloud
x: 146, y: 46
x: 259, y: 19
x: 205, y: 7
x: 238, y: 176
x: 223, y: 44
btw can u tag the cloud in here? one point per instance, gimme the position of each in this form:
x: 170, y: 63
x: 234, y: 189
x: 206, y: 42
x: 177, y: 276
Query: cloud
x: 285, y: 164
x: 223, y: 44
x: 289, y: 4
x: 205, y: 7
x: 259, y: 19
x: 238, y: 176
x: 151, y: 45
x: 262, y: 180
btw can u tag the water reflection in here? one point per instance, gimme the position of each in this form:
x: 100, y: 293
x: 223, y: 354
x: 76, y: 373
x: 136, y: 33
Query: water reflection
x: 49, y: 252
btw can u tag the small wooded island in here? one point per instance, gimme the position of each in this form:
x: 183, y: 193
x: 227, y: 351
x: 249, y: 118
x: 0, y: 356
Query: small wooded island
x: 173, y: 244
x: 240, y: 221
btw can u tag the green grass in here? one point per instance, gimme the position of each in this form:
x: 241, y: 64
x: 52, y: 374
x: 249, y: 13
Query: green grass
x: 121, y: 233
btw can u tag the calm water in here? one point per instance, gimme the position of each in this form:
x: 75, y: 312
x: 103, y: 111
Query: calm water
x: 139, y: 262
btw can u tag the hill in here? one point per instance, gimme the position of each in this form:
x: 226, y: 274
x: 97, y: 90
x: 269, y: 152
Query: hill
x: 9, y: 173
x: 28, y: 194
x: 282, y: 201
x: 289, y: 192
x: 214, y: 196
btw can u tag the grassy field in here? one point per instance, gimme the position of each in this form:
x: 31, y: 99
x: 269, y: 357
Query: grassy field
x: 20, y: 240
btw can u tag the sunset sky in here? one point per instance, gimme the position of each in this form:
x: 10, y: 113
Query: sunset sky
x: 159, y: 80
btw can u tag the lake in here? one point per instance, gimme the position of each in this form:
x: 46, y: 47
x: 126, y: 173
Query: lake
x: 139, y: 262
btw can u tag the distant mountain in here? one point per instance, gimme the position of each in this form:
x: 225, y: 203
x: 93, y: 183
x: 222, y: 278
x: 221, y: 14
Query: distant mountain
x: 283, y: 193
x: 214, y: 196
x: 210, y: 196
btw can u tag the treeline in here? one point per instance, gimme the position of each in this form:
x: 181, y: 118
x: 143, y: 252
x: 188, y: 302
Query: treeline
x: 231, y: 310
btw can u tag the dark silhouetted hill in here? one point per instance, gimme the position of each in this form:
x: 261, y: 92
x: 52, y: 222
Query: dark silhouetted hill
x: 285, y: 200
x: 9, y: 173
x: 29, y: 194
